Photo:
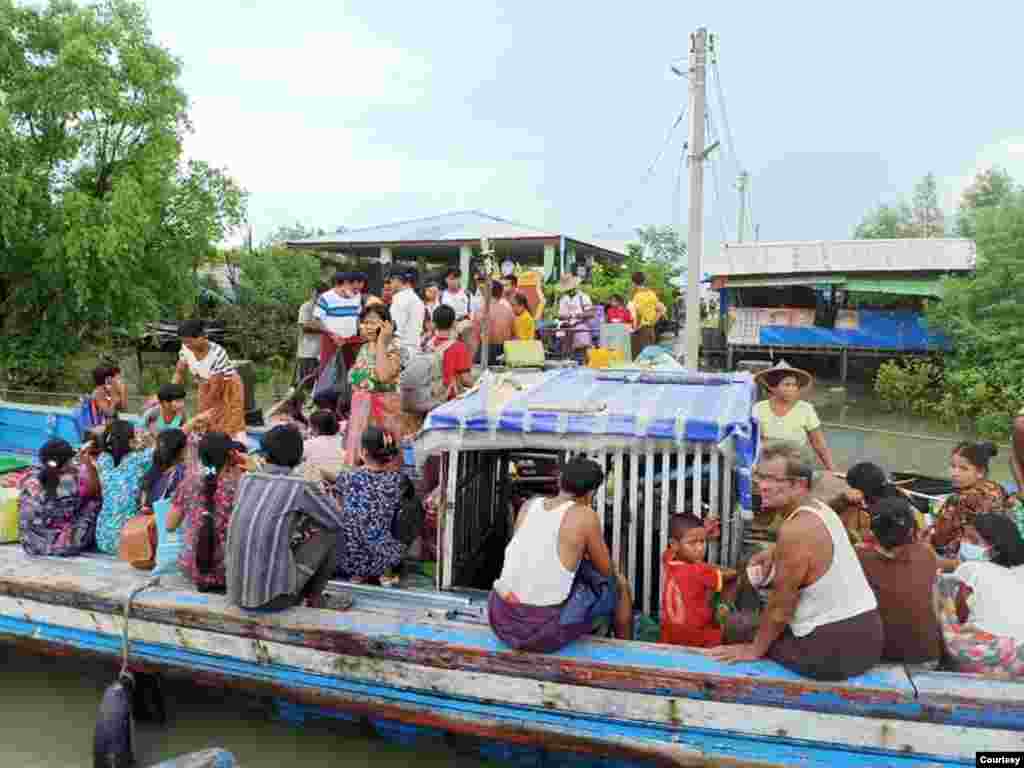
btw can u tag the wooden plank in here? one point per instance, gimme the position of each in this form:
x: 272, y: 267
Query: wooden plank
x: 448, y: 528
x: 970, y: 699
x: 601, y: 458
x: 666, y: 491
x: 634, y: 515
x: 729, y: 513
x: 681, y: 480
x: 648, y: 605
x: 576, y: 700
x: 715, y: 546
x: 620, y: 480
x: 698, y: 480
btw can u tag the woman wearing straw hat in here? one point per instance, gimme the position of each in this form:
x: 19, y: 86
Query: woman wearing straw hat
x: 575, y: 309
x: 784, y: 416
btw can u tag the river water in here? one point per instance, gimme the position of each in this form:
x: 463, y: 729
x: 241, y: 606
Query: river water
x: 51, y: 712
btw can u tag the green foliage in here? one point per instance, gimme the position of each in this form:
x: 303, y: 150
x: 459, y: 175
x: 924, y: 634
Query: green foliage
x: 991, y: 189
x: 276, y: 276
x: 296, y: 231
x: 908, y: 386
x: 100, y: 229
x: 891, y: 221
x: 663, y: 246
x: 983, y: 378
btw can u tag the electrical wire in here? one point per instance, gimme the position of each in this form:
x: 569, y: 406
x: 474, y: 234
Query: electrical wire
x: 715, y: 179
x: 650, y: 168
x: 716, y: 77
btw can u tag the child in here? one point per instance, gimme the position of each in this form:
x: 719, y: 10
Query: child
x: 169, y: 412
x: 110, y: 396
x: 687, y: 586
x: 617, y: 312
x: 523, y: 325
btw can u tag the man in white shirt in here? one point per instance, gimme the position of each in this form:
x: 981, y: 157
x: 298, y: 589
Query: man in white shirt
x: 407, y: 311
x: 308, y: 352
x: 337, y: 312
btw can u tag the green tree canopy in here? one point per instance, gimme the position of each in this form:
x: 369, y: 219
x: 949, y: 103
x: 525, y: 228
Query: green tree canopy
x: 101, y: 223
x: 891, y: 221
x: 991, y: 189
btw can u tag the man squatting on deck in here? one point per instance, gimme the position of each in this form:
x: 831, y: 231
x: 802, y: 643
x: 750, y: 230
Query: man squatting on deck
x: 822, y: 617
x: 558, y: 577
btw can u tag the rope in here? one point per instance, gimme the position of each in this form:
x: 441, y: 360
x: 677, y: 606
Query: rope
x: 127, y: 610
x: 652, y: 167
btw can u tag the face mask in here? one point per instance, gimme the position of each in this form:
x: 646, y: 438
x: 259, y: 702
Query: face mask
x: 970, y: 551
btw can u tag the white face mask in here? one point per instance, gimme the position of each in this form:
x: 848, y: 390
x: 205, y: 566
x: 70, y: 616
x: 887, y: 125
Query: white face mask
x: 971, y: 551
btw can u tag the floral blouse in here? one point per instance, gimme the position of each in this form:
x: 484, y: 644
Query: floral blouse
x: 190, y: 498
x: 960, y: 509
x: 58, y: 525
x: 364, y: 370
x: 121, y: 486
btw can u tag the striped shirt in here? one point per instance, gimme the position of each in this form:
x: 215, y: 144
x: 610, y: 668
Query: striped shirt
x: 339, y: 314
x: 260, y: 564
x: 216, y: 362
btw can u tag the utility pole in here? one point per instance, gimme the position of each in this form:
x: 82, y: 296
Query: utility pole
x: 741, y: 224
x: 695, y: 226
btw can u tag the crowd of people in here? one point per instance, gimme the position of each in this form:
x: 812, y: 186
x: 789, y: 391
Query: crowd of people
x: 855, y: 576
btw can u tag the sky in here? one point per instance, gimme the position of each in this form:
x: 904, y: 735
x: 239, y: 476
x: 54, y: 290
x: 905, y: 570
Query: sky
x: 550, y: 113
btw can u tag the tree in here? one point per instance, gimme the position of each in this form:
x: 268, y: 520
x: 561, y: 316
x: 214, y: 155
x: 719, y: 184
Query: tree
x: 928, y: 218
x: 891, y: 221
x: 991, y: 189
x: 886, y: 222
x: 296, y: 231
x: 663, y: 245
x: 99, y: 227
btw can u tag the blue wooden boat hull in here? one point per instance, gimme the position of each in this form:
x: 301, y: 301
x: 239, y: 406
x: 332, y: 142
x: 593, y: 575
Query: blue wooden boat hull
x: 425, y: 665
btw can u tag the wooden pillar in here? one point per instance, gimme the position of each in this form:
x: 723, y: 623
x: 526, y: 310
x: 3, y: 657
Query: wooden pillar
x: 465, y: 259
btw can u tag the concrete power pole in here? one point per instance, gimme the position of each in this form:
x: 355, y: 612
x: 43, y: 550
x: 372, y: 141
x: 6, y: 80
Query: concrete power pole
x: 741, y: 223
x: 695, y: 224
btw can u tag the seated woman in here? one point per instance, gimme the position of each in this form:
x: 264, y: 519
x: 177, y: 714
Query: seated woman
x: 902, y: 574
x: 120, y: 468
x: 983, y: 622
x: 974, y: 494
x: 210, y: 492
x: 282, y: 535
x: 374, y: 376
x: 168, y: 468
x: 57, y: 512
x: 370, y: 498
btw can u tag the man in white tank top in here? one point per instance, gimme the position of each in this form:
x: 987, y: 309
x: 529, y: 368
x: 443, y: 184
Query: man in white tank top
x: 558, y: 577
x: 822, y: 618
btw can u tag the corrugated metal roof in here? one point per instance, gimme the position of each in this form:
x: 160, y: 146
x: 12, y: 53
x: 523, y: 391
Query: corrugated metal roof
x: 844, y: 256
x: 459, y: 226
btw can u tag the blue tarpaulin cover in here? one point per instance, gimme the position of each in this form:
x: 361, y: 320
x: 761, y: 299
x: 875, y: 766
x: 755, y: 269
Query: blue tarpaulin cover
x: 619, y: 403
x: 901, y: 330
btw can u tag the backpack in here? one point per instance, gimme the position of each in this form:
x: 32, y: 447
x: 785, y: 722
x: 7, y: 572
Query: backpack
x: 422, y: 381
x: 87, y: 417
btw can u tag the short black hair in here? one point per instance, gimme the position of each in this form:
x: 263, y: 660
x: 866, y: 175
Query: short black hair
x: 444, y: 317
x: 639, y: 278
x: 1002, y: 533
x: 453, y: 272
x: 892, y: 521
x: 326, y: 400
x: 681, y: 524
x: 379, y: 445
x: 342, y: 277
x: 101, y: 373
x: 497, y: 289
x: 283, y: 446
x: 380, y: 310
x: 521, y: 300
x: 581, y: 476
x: 191, y: 329
x: 168, y: 393
x: 977, y: 455
x: 867, y: 478
x: 512, y: 279
x: 324, y: 422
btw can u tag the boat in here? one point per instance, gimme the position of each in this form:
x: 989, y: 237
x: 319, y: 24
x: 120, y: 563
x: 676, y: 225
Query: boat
x: 207, y: 758
x: 420, y: 662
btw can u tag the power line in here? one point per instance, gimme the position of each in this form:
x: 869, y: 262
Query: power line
x: 651, y: 168
x: 715, y: 180
x: 677, y: 197
x: 716, y: 77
